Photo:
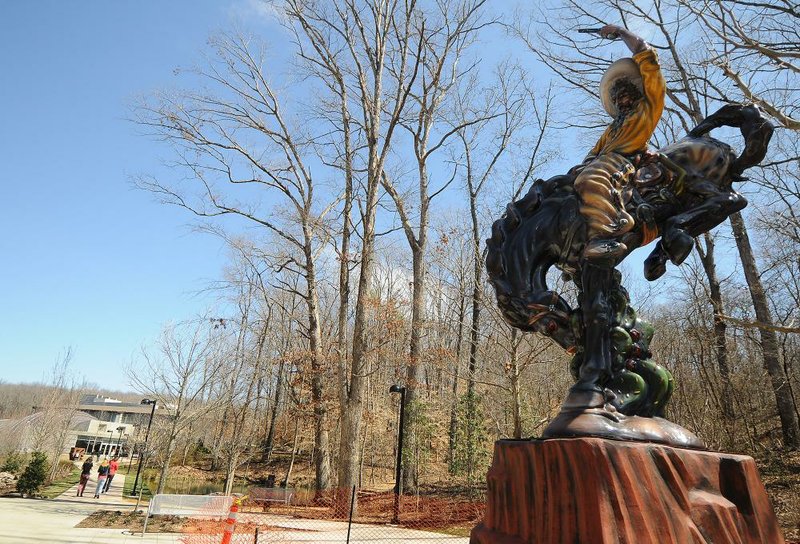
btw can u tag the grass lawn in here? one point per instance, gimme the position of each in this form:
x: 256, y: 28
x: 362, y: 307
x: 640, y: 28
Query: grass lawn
x: 127, y: 487
x: 57, y: 487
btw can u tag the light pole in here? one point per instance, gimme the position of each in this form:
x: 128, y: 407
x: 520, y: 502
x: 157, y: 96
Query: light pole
x: 110, y: 441
x: 119, y: 439
x: 398, y: 476
x: 146, y: 436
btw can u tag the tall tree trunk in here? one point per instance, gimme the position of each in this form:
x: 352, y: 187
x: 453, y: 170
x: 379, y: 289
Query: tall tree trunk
x: 708, y: 261
x: 477, y: 278
x: 220, y: 431
x: 769, y: 343
x: 322, y: 463
x: 230, y: 472
x: 352, y: 407
x: 268, y: 443
x: 413, y: 378
x: 462, y: 310
x: 294, y: 452
x: 344, y: 248
x: 169, y: 451
x: 515, y: 393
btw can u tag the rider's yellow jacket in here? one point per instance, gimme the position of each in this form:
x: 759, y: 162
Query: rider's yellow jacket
x: 629, y: 136
x: 608, y: 168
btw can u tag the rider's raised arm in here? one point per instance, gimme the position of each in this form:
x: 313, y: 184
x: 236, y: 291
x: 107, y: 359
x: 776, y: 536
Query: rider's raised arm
x: 635, y: 43
x: 654, y: 89
x: 631, y: 134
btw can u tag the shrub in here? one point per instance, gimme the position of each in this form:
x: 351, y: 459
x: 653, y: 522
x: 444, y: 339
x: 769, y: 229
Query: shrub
x: 13, y: 463
x: 34, y: 475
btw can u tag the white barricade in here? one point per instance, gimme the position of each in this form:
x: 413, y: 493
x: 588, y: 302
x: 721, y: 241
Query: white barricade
x: 271, y: 494
x: 196, y: 506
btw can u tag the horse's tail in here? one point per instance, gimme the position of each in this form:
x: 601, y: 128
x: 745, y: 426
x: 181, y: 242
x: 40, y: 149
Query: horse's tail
x: 755, y: 128
x: 518, y: 256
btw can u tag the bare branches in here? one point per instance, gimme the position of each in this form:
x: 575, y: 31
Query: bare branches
x: 756, y: 46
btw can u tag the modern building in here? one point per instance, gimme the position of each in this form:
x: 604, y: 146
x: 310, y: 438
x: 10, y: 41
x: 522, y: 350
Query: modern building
x: 113, y: 423
x: 99, y: 425
x: 45, y: 431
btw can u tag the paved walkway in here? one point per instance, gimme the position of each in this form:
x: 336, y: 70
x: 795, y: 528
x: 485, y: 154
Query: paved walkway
x: 53, y: 521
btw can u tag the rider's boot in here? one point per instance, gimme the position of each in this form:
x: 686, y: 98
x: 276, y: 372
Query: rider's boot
x: 655, y: 265
x: 599, y: 249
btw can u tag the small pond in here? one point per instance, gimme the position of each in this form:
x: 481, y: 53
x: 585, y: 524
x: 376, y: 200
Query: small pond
x: 192, y: 486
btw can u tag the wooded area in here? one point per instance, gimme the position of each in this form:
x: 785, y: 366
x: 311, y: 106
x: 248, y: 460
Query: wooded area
x: 354, y: 171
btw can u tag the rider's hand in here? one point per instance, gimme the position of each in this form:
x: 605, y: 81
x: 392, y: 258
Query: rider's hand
x: 611, y: 32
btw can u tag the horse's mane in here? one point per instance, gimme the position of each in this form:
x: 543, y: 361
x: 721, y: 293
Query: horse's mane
x: 519, y: 280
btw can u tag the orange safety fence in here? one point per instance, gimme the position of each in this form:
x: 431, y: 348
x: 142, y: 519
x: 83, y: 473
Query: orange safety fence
x: 324, y: 517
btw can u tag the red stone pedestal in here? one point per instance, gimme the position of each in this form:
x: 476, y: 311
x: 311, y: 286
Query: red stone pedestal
x: 596, y: 491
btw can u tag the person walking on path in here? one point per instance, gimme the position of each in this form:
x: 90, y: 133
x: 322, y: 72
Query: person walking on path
x: 112, y: 470
x: 102, y: 474
x: 86, y: 471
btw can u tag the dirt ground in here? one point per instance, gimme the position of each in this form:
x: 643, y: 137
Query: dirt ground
x: 443, y: 510
x: 134, y: 522
x: 115, y: 519
x: 781, y: 477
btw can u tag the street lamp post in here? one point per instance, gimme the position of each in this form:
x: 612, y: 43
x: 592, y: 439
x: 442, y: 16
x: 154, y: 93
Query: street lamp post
x: 146, y: 436
x: 119, y: 439
x: 398, y: 477
x: 110, y: 441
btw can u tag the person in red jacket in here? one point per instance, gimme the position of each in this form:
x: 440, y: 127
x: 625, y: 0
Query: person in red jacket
x: 112, y: 469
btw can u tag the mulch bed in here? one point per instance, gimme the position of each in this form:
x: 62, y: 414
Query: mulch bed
x: 134, y: 522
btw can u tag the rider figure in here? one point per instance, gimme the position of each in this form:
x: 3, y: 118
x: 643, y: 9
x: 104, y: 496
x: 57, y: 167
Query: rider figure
x: 632, y: 91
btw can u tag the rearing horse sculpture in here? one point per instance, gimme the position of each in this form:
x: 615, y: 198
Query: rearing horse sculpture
x: 686, y: 192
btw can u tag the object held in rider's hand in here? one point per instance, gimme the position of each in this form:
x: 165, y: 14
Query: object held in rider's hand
x: 612, y: 36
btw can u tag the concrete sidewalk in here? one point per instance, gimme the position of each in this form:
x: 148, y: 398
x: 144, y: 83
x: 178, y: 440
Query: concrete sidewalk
x: 53, y: 521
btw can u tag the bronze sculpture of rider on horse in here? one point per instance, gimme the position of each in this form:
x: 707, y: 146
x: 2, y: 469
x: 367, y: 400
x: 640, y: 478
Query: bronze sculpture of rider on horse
x: 586, y: 222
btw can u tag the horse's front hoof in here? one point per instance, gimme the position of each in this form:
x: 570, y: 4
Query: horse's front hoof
x: 655, y: 265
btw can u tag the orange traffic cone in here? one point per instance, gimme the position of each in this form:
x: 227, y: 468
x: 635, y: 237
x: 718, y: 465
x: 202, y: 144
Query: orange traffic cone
x: 230, y: 523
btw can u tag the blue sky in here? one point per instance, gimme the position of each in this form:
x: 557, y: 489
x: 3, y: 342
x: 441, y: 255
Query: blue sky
x: 88, y: 261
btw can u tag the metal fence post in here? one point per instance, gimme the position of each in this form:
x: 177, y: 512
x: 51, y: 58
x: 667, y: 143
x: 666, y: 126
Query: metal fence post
x: 350, y: 520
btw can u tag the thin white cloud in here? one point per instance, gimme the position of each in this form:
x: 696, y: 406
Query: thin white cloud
x: 266, y: 11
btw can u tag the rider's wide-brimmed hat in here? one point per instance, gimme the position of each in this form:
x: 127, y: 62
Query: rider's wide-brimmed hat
x: 622, y: 69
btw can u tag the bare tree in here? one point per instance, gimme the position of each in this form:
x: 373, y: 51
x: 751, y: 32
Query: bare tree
x: 56, y: 415
x: 178, y: 371
x: 446, y: 35
x: 242, y: 137
x: 756, y: 45
x: 373, y: 50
